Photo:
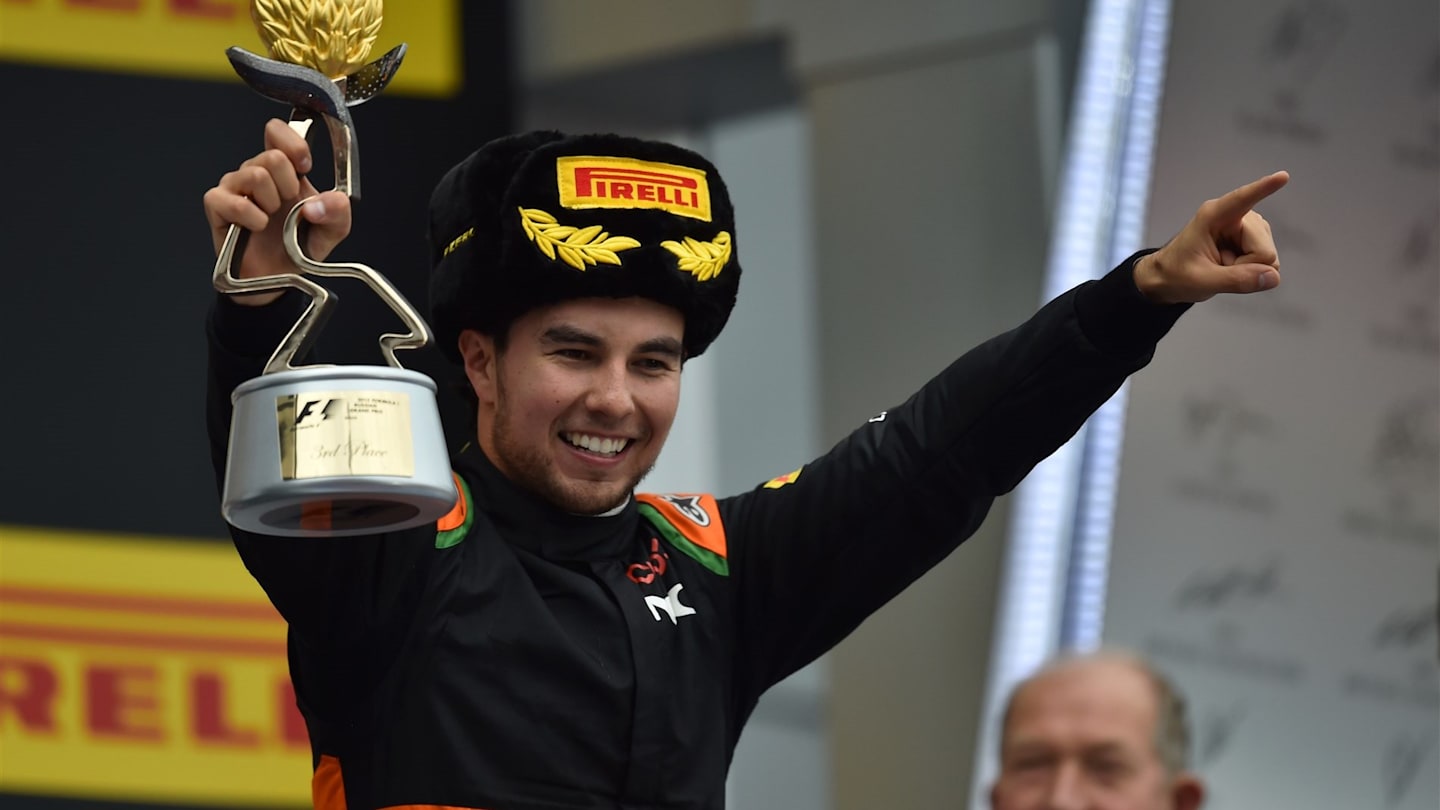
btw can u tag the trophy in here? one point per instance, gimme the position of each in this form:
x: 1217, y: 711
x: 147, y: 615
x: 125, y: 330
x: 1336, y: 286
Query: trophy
x: 328, y: 451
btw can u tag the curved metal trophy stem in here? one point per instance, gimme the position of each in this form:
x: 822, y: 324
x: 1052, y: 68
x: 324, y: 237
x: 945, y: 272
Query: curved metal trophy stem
x: 302, y: 335
x: 346, y: 152
x: 312, y: 95
x: 419, y: 334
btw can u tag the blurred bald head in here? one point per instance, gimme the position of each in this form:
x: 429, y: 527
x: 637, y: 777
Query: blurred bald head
x: 1103, y: 731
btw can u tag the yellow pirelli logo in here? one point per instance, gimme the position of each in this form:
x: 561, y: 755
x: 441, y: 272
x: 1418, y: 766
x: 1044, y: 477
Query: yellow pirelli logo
x: 605, y: 182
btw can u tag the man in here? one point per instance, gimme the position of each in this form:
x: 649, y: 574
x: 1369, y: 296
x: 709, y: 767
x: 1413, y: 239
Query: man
x: 1097, y: 732
x: 559, y: 641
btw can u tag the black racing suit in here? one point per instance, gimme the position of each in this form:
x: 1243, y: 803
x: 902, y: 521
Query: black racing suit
x: 530, y: 659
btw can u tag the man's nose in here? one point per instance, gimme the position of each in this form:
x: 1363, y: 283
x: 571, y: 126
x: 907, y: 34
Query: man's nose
x: 610, y: 393
x: 1067, y: 789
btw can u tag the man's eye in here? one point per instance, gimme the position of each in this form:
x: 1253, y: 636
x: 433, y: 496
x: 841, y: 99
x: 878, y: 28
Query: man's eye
x: 652, y: 364
x: 1108, y: 768
x: 572, y: 354
x: 1031, y: 763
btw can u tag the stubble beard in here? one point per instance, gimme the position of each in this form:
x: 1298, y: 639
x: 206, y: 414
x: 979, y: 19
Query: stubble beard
x: 531, y: 469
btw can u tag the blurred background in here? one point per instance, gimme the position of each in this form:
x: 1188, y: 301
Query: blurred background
x: 1259, y: 511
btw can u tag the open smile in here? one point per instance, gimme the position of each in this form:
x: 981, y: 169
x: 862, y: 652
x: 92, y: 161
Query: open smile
x: 607, y: 447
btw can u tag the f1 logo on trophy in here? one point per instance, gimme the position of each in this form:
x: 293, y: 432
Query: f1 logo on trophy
x: 328, y: 451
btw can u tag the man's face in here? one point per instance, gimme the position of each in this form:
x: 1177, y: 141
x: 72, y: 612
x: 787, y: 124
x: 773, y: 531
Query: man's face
x: 1082, y: 737
x: 578, y: 405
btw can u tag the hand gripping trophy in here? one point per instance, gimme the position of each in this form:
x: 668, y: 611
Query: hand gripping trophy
x: 326, y: 451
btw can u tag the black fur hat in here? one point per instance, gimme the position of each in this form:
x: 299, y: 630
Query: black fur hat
x: 542, y: 217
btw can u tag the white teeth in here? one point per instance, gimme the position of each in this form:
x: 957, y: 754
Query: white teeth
x: 596, y: 444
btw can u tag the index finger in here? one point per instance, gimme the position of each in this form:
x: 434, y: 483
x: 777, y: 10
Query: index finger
x: 279, y: 135
x: 1232, y: 207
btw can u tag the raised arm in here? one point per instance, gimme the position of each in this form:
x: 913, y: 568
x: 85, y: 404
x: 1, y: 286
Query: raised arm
x: 811, y: 558
x: 331, y: 591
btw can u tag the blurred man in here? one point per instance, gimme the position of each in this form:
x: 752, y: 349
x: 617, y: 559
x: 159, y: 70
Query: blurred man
x: 1096, y: 732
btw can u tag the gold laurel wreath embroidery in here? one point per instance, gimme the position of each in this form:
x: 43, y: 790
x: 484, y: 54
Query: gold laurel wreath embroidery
x: 331, y: 36
x: 576, y: 247
x: 704, y: 260
x: 458, y: 241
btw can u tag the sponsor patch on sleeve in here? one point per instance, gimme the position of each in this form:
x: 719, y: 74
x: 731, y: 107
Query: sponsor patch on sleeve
x: 781, y: 480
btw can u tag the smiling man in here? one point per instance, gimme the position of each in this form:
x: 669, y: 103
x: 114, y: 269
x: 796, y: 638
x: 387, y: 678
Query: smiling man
x: 561, y: 641
x: 578, y: 405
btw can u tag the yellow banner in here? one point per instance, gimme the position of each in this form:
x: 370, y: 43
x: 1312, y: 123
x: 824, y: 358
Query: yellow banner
x: 188, y: 38
x: 143, y: 670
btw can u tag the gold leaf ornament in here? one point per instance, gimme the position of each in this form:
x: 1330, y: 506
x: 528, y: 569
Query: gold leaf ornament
x: 577, y: 247
x: 331, y: 36
x: 704, y: 260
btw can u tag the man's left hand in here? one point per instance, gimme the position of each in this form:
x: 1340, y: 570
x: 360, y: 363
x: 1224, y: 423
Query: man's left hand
x: 1226, y: 248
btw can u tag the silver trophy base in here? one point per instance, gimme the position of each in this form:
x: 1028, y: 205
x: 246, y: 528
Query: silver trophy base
x: 335, y: 452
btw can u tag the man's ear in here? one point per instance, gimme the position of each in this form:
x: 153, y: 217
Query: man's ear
x: 1188, y: 792
x: 478, y: 353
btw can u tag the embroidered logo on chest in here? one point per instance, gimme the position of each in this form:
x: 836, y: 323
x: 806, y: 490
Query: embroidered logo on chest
x: 669, y: 603
x: 644, y: 573
x: 689, y: 506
